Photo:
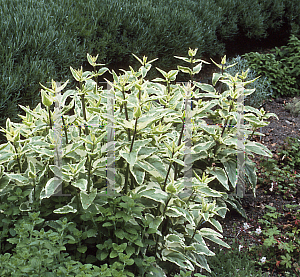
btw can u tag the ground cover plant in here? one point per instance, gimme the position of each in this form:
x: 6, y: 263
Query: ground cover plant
x: 271, y: 243
x: 152, y: 223
x: 293, y: 107
x: 274, y: 247
x: 281, y: 175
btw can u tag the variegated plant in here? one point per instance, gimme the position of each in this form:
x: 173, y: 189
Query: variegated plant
x: 149, y: 119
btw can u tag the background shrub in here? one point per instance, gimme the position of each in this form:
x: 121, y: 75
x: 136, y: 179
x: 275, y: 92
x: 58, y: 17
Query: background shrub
x: 40, y: 42
x: 263, y: 91
x: 281, y: 67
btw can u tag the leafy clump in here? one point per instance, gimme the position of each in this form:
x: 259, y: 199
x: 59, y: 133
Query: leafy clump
x: 144, y: 218
x: 281, y: 67
x: 263, y: 90
x: 293, y: 107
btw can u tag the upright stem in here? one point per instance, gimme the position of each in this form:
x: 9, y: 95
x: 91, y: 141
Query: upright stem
x: 127, y: 169
x: 200, y: 223
x: 169, y: 169
x: 231, y: 106
x: 18, y: 159
x: 89, y: 170
x: 96, y: 76
x: 179, y: 142
x: 83, y: 110
x: 164, y: 223
x: 65, y: 129
x: 50, y: 122
x: 126, y: 115
x: 220, y: 85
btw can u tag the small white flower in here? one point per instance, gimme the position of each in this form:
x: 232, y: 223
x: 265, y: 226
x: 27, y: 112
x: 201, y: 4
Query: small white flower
x: 258, y: 231
x: 246, y: 226
x: 263, y: 260
x: 271, y: 188
x: 240, y: 247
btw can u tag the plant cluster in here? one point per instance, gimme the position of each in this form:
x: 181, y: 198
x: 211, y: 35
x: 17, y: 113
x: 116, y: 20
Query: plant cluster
x: 281, y: 67
x: 280, y: 176
x: 67, y: 30
x: 276, y: 247
x: 261, y: 85
x: 153, y: 219
x: 293, y: 107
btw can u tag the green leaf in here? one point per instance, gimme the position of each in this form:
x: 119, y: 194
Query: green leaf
x: 185, y: 69
x: 107, y: 224
x: 215, y: 78
x: 158, y: 80
x: 216, y: 224
x: 75, y: 75
x: 130, y: 157
x: 153, y: 194
x: 65, y: 209
x: 202, y: 262
x: 81, y: 184
x: 178, y: 259
x: 197, y: 68
x: 21, y: 180
x: 209, y: 192
x: 82, y: 249
x: 155, y: 271
x: 119, y: 233
x: 206, y: 87
x: 213, y: 236
x: 50, y: 188
x: 138, y: 174
x: 220, y: 174
x: 173, y: 238
x: 174, y: 212
x: 162, y: 72
x: 231, y: 170
x: 250, y: 168
x: 138, y: 243
x: 257, y: 148
x: 182, y: 58
x: 87, y: 199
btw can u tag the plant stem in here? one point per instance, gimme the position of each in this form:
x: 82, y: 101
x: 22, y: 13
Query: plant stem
x: 65, y: 129
x: 84, y: 114
x: 18, y: 159
x: 230, y: 108
x: 78, y: 199
x: 126, y: 114
x: 50, y: 122
x: 220, y: 85
x: 89, y: 170
x: 164, y: 223
x: 169, y: 169
x: 179, y: 142
x: 200, y: 223
x: 127, y: 169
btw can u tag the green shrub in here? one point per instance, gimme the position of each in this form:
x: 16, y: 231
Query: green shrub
x: 261, y: 85
x: 293, y: 107
x: 282, y: 69
x: 39, y: 41
x: 292, y: 16
x: 34, y: 46
x: 39, y: 253
x: 152, y: 220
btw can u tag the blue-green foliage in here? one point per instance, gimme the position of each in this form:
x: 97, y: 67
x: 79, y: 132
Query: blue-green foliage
x: 263, y: 91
